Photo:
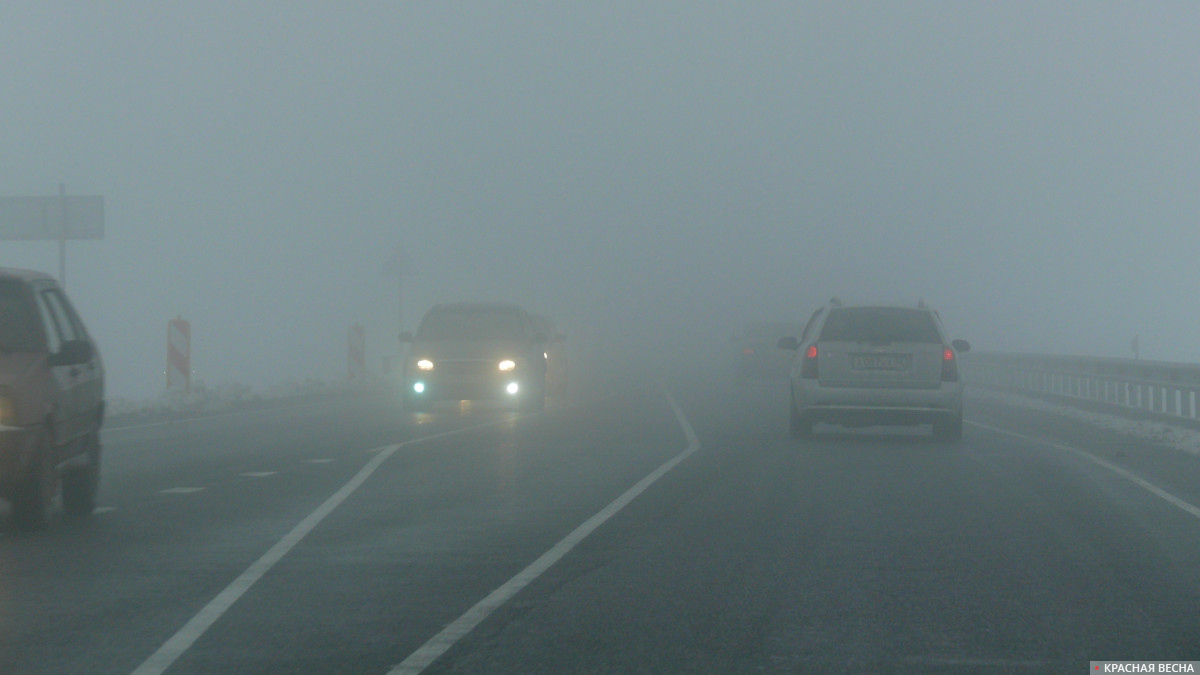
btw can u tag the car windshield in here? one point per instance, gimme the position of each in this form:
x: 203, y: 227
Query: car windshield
x: 879, y: 325
x: 18, y: 322
x: 477, y: 325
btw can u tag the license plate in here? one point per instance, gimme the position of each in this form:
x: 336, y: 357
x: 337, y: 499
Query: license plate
x: 879, y: 361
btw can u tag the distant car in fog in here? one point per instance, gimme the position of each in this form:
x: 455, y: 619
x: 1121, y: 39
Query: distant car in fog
x: 876, y: 365
x: 758, y: 356
x: 476, y: 350
x: 555, y: 353
x: 51, y: 401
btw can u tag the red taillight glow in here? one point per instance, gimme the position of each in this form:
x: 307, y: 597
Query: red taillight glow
x: 949, y: 365
x: 808, y: 367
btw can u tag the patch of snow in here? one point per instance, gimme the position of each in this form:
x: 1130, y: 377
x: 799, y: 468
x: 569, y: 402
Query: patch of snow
x: 1163, y: 433
x: 223, y: 397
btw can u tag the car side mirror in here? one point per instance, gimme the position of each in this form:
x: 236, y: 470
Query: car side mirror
x: 72, y: 353
x: 406, y: 336
x: 961, y: 345
x: 788, y: 343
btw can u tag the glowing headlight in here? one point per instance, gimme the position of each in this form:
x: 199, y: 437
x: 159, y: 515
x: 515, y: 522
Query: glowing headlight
x: 424, y: 364
x: 512, y: 388
x: 419, y: 387
x: 507, y: 365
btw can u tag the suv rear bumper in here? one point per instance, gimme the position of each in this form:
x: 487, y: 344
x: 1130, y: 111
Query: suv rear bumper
x: 864, y: 406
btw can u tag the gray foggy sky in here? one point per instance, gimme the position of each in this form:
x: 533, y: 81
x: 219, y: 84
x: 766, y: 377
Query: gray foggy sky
x: 644, y: 172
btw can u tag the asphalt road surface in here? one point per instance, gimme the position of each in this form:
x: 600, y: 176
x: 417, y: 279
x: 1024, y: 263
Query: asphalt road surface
x: 653, y: 527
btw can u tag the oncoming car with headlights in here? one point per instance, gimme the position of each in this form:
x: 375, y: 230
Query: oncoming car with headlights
x: 876, y: 365
x: 467, y: 351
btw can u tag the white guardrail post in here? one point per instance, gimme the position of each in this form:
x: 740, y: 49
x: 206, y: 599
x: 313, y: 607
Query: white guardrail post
x: 1158, y: 387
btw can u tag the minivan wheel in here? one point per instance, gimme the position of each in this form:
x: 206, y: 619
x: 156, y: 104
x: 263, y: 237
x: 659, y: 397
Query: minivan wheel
x: 948, y: 428
x: 32, y: 504
x: 79, y: 486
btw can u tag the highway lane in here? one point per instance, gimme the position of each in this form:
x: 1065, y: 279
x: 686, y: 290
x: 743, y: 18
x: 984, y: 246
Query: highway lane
x: 857, y: 551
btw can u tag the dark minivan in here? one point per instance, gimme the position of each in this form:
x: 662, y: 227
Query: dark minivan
x: 51, y: 401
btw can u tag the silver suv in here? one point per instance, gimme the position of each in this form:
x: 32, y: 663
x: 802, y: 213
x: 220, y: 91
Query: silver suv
x: 876, y: 365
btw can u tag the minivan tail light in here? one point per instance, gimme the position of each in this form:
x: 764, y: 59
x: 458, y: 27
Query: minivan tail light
x: 949, y: 365
x: 808, y: 367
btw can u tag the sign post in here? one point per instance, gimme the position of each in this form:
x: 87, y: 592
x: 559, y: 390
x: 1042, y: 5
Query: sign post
x: 357, y: 339
x: 179, y: 354
x: 52, y: 219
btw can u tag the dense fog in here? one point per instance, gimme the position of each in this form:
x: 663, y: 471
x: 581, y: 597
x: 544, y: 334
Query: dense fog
x: 651, y: 175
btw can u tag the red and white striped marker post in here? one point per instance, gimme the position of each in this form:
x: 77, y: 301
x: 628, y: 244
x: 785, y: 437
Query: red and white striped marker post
x: 179, y: 354
x: 358, y: 354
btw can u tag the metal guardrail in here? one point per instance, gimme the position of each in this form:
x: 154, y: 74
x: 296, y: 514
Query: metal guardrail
x: 1155, y: 387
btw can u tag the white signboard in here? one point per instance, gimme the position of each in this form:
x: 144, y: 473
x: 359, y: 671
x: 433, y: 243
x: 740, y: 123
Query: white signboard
x: 29, y: 218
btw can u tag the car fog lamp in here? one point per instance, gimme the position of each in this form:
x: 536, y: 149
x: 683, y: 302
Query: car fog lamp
x: 512, y: 388
x: 419, y: 387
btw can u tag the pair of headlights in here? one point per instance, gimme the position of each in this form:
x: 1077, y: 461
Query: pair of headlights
x: 504, y: 366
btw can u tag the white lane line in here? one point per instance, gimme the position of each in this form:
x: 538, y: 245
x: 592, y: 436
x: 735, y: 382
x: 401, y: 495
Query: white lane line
x: 104, y: 509
x: 180, y: 490
x: 460, y: 627
x: 317, y: 461
x: 258, y: 474
x: 174, y: 647
x: 1153, y: 489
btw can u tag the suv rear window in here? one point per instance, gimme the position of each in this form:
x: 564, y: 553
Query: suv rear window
x: 472, y: 325
x: 880, y: 325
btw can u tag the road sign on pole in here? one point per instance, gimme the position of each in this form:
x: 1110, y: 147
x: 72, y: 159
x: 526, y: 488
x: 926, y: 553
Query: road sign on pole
x: 52, y: 219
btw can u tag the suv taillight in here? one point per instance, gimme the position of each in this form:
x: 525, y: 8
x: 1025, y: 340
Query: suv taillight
x: 949, y: 365
x: 808, y: 367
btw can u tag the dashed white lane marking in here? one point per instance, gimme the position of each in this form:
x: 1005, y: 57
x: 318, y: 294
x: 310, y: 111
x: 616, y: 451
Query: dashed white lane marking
x: 104, y: 509
x: 174, y: 647
x: 1153, y: 489
x: 456, y: 630
x: 258, y: 474
x: 317, y: 461
x: 180, y: 490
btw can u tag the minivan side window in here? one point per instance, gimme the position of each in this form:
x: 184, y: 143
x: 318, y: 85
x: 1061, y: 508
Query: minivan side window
x: 18, y: 325
x: 53, y: 338
x: 61, y: 317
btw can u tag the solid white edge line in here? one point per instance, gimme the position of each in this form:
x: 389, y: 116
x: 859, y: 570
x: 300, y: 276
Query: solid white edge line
x: 460, y: 627
x: 1153, y: 489
x: 174, y: 647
